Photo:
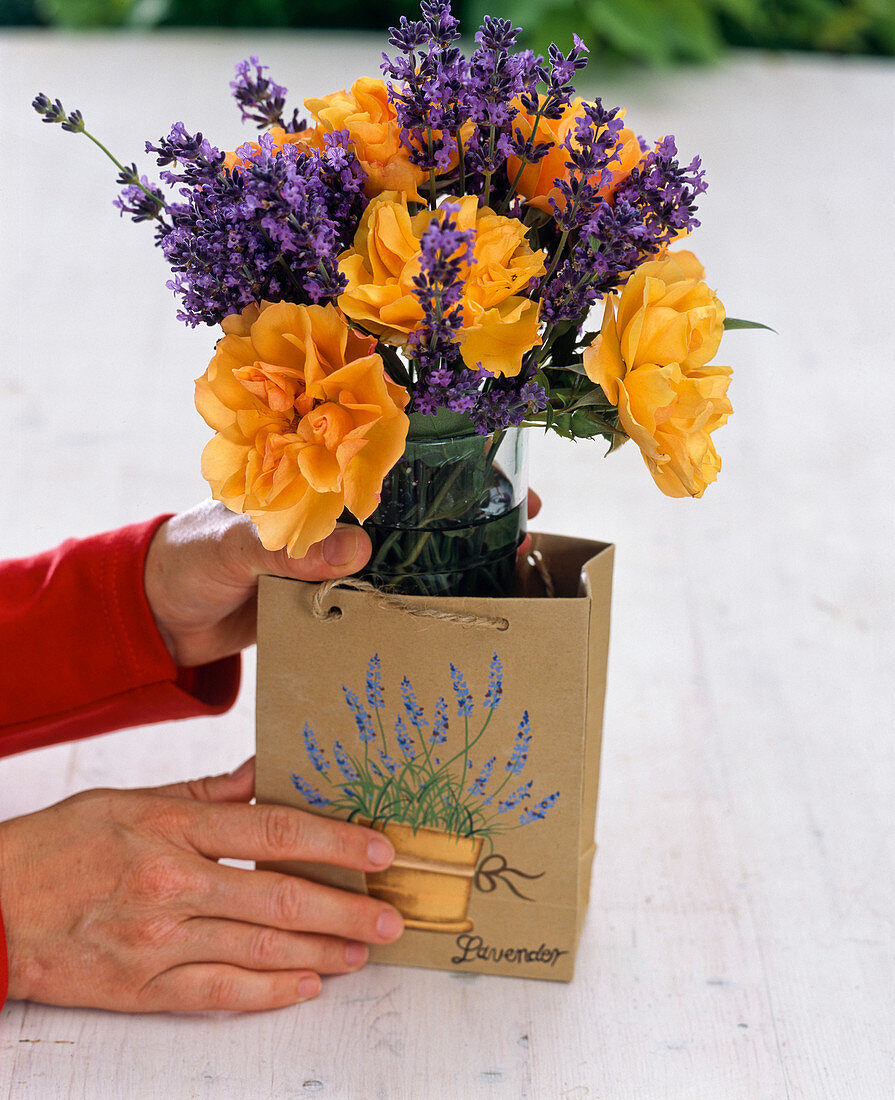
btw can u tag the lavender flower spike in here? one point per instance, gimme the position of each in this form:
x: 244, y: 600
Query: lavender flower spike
x: 374, y: 682
x: 414, y: 710
x: 310, y: 794
x: 261, y: 100
x: 495, y: 683
x: 315, y: 753
x: 538, y: 812
x: 479, y: 786
x: 345, y: 766
x: 516, y: 797
x: 464, y: 699
x: 439, y: 731
x: 520, y: 748
x: 405, y: 741
x: 445, y: 251
x: 362, y: 719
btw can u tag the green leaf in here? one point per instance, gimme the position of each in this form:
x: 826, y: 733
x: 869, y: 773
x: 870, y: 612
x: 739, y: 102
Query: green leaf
x: 633, y: 28
x: 736, y: 322
x: 692, y: 30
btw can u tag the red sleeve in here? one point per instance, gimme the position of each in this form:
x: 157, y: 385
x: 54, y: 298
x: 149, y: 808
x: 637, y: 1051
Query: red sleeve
x: 80, y: 653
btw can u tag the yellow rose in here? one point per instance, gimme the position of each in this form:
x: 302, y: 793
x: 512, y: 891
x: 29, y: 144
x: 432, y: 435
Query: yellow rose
x: 308, y: 422
x: 499, y: 324
x: 305, y: 139
x: 537, y: 183
x: 652, y: 361
x: 368, y: 116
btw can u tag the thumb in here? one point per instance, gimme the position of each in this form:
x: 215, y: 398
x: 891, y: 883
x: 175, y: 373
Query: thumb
x: 237, y: 786
x: 344, y: 551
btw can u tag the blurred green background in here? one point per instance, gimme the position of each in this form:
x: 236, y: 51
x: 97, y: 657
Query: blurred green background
x: 653, y: 32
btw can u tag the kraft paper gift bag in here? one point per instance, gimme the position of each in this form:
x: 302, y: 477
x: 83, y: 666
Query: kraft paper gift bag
x: 470, y: 735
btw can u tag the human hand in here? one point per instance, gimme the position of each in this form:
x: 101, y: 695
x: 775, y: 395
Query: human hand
x: 201, y: 578
x: 202, y: 570
x: 533, y: 507
x: 114, y: 899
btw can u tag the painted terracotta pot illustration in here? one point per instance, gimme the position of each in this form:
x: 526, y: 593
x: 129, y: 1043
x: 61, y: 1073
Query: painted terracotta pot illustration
x: 430, y: 881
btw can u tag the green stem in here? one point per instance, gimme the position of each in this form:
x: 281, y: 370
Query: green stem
x: 123, y: 170
x: 557, y: 255
x: 432, y: 201
x: 487, y: 192
x: 461, y: 162
x: 467, y: 747
x: 523, y: 163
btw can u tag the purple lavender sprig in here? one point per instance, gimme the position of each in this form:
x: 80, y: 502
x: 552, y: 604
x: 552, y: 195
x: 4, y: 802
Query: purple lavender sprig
x: 664, y: 192
x: 496, y: 78
x: 507, y: 402
x: 609, y: 239
x: 430, y: 94
x: 260, y: 99
x: 563, y: 67
x: 270, y: 228
x: 141, y: 198
x: 441, y: 380
x: 590, y: 151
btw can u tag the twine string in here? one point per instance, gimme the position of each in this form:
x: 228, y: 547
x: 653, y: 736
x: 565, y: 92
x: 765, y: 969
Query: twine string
x: 395, y: 603
x: 536, y: 560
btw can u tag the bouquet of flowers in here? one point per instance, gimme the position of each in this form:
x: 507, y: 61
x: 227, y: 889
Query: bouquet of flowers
x: 405, y: 279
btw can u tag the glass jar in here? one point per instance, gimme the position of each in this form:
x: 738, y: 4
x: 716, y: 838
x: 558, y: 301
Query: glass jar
x: 452, y: 512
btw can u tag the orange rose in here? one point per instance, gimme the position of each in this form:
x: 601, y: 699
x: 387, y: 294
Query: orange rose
x: 538, y: 181
x: 652, y: 361
x: 304, y: 139
x: 499, y: 324
x: 368, y: 116
x: 307, y: 421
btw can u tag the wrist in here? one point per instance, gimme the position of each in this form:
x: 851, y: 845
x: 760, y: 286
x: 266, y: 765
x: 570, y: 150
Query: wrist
x: 155, y: 571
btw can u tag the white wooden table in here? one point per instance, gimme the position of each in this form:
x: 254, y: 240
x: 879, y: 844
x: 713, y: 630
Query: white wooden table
x: 739, y: 939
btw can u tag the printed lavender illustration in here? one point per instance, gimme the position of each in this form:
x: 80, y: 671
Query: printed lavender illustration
x: 427, y: 788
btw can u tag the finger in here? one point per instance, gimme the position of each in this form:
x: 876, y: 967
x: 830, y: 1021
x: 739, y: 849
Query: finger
x: 237, y: 786
x: 344, y: 551
x: 260, y: 947
x: 203, y: 987
x: 534, y: 503
x: 297, y: 905
x: 283, y: 833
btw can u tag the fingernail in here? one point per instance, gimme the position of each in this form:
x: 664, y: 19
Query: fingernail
x: 340, y: 547
x: 355, y: 954
x: 243, y: 770
x: 308, y: 988
x: 380, y: 852
x: 389, y: 926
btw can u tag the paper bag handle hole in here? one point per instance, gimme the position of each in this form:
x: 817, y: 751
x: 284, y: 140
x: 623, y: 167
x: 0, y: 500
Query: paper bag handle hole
x: 333, y: 613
